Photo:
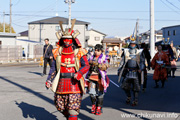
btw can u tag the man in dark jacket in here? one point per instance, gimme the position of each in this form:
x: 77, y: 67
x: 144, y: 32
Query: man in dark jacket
x: 47, y: 55
x: 147, y: 64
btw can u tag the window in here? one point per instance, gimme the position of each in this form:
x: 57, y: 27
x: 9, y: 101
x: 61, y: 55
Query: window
x: 57, y: 28
x: 174, y: 32
x: 96, y: 38
x: 169, y: 33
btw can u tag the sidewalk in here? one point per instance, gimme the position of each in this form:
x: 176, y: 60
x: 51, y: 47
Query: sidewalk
x: 19, y: 64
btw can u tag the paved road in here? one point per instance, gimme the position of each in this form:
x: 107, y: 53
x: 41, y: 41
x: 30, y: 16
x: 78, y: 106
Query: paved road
x: 23, y: 96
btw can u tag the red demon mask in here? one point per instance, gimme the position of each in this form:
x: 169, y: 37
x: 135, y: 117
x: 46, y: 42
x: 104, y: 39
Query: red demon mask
x: 67, y: 42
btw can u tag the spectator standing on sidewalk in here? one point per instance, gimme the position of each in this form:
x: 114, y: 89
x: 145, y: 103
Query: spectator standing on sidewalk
x: 47, y: 55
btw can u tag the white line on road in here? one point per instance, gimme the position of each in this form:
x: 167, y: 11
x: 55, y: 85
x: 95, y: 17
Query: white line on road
x: 114, y: 83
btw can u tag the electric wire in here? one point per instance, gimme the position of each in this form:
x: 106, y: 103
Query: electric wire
x: 173, y: 4
x: 35, y: 13
x: 16, y: 3
x: 169, y: 7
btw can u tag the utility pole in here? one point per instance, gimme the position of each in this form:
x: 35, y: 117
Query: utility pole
x: 151, y: 40
x: 56, y: 7
x: 10, y: 20
x: 137, y: 31
x: 69, y: 14
x: 40, y: 30
x: 4, y: 28
x: 69, y: 3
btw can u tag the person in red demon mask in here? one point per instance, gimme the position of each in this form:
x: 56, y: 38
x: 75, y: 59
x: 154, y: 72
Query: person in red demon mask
x: 66, y: 74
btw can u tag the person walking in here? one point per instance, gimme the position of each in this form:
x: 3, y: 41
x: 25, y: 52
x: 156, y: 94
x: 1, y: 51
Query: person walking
x: 145, y: 54
x: 129, y: 70
x: 47, y: 55
x: 66, y: 73
x: 98, y: 80
x: 159, y: 63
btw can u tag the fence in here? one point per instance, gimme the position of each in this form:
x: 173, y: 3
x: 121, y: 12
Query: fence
x: 14, y: 53
x: 38, y: 51
x: 10, y: 53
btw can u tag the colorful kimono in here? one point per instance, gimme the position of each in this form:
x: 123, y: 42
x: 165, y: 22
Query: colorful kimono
x: 98, y: 81
x: 104, y: 78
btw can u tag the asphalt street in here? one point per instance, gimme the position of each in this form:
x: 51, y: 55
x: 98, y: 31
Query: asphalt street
x: 23, y: 96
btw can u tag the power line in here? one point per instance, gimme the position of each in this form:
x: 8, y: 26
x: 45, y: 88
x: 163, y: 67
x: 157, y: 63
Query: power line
x: 104, y: 18
x: 16, y: 3
x: 169, y: 7
x: 130, y: 19
x: 19, y: 25
x: 173, y: 4
x: 24, y: 18
x: 88, y: 11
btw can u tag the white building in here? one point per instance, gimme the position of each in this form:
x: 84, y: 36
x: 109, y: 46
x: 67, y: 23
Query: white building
x: 46, y: 28
x: 9, y: 51
x: 95, y: 37
x: 8, y: 38
x: 144, y: 37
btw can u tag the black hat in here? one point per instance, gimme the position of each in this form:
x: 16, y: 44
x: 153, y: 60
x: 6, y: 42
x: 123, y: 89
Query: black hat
x: 98, y: 47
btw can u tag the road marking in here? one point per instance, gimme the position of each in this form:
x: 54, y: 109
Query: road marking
x: 114, y: 83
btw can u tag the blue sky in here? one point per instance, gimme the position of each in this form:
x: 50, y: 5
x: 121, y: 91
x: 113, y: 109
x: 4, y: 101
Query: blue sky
x: 112, y: 17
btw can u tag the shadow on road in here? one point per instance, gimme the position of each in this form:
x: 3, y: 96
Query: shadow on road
x: 41, y: 111
x: 159, y: 99
x: 35, y: 112
x: 37, y: 73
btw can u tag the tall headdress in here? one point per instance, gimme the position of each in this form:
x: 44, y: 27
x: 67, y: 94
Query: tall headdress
x: 134, y: 35
x: 68, y: 33
x: 165, y: 41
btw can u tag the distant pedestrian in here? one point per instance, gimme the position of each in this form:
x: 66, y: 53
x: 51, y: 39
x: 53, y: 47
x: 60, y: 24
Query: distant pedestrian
x: 47, y: 55
x: 23, y: 53
x: 173, y: 61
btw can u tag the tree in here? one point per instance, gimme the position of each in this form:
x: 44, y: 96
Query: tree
x: 6, y: 28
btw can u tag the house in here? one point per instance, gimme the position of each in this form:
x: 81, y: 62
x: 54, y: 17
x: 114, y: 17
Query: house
x: 46, y: 28
x: 145, y: 36
x: 95, y: 37
x: 173, y: 33
x: 23, y: 35
x: 8, y: 38
x: 9, y: 51
x: 113, y: 45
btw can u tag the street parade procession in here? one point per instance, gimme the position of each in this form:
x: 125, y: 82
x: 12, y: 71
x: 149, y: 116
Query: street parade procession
x: 71, y: 62
x: 105, y: 61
